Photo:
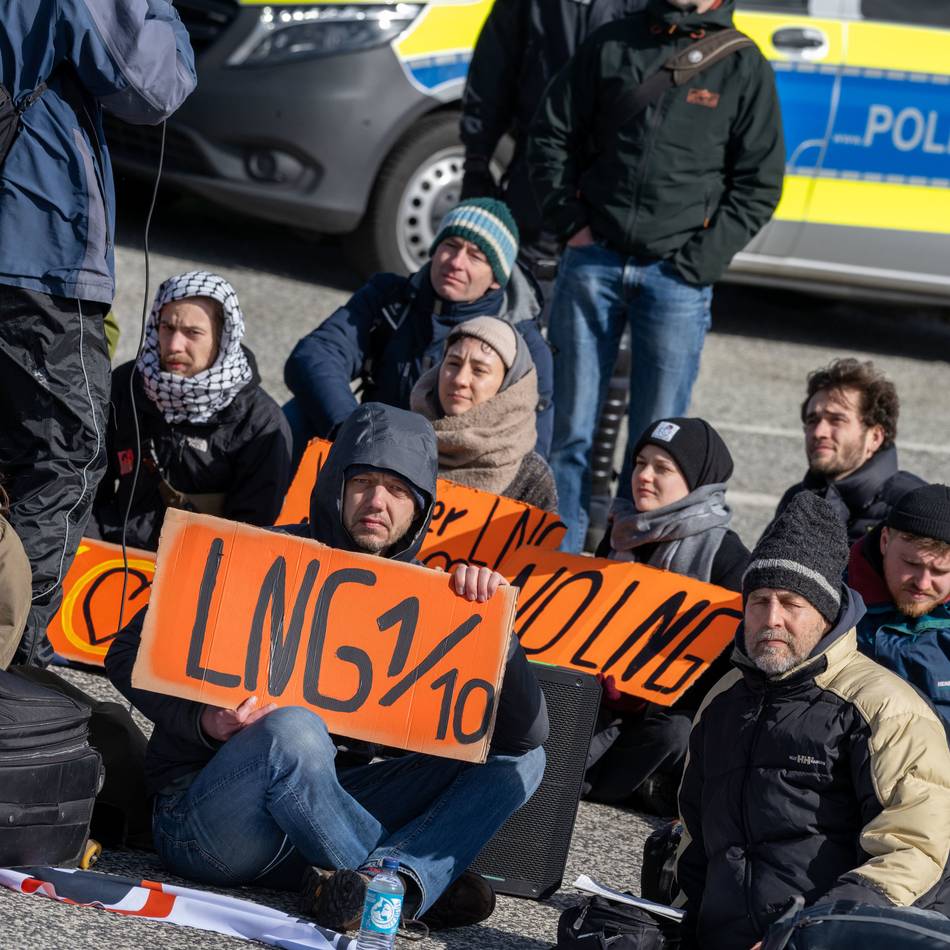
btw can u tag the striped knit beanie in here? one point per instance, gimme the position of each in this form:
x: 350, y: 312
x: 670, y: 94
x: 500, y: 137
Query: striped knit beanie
x: 805, y: 550
x: 488, y: 224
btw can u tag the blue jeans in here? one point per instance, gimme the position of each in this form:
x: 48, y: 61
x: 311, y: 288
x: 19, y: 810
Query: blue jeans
x: 271, y: 802
x: 598, y: 292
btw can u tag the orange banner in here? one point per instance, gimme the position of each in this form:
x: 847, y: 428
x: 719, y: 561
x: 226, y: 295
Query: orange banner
x: 468, y: 526
x: 383, y: 651
x: 87, y: 620
x: 655, y: 631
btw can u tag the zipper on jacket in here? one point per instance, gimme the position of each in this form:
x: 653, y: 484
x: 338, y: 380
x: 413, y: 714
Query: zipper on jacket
x: 653, y: 125
x: 49, y: 752
x: 743, y: 810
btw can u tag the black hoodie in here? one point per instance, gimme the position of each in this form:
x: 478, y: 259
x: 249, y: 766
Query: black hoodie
x: 401, y: 442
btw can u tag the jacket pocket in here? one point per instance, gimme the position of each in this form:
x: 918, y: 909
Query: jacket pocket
x: 95, y: 256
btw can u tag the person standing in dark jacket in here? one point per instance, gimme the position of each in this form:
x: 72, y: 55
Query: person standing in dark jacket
x: 212, y: 440
x: 902, y: 570
x: 652, y: 203
x: 394, y: 328
x: 521, y: 47
x: 850, y: 416
x: 812, y: 771
x: 271, y: 772
x: 678, y: 521
x: 57, y: 211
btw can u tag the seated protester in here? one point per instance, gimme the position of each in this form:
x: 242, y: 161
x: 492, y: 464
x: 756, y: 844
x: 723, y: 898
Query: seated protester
x: 394, y: 328
x: 678, y: 521
x: 812, y: 771
x: 850, y: 418
x: 305, y: 819
x: 481, y: 401
x: 212, y: 440
x: 902, y: 570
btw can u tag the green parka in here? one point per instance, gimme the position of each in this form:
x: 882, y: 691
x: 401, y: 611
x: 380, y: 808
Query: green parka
x: 691, y: 179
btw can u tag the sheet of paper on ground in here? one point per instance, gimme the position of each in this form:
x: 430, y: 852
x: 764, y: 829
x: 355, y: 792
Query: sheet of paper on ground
x: 383, y: 651
x: 655, y: 631
x: 88, y: 619
x: 470, y: 526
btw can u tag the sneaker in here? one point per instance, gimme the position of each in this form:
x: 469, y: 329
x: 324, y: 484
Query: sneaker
x: 468, y: 900
x: 334, y: 899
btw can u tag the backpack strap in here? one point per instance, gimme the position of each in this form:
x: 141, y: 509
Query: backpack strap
x: 676, y: 71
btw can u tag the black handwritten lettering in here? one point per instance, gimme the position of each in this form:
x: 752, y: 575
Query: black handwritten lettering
x: 471, y: 559
x: 454, y: 514
x: 578, y: 657
x: 441, y: 649
x: 87, y: 616
x: 209, y: 578
x: 594, y: 578
x: 524, y: 576
x: 406, y: 614
x: 318, y: 634
x: 695, y: 662
x: 283, y: 650
x: 446, y: 682
x: 662, y: 638
x: 466, y: 738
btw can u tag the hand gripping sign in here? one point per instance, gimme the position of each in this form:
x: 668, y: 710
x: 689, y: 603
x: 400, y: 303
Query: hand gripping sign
x: 382, y: 651
x: 655, y: 631
x: 468, y: 526
x: 88, y: 618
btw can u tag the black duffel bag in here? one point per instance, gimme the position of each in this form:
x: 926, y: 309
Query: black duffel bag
x: 599, y: 924
x: 49, y: 775
x: 849, y: 924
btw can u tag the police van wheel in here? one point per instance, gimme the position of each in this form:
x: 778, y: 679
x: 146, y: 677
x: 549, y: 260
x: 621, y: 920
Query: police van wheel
x: 419, y: 181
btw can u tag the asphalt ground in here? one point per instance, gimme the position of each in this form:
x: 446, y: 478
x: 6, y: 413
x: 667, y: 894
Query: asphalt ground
x: 762, y: 345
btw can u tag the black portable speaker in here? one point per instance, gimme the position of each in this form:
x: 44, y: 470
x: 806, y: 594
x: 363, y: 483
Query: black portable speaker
x: 526, y: 857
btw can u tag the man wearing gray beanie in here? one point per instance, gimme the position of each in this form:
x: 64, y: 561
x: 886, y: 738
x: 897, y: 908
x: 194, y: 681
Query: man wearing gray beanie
x: 902, y: 570
x: 813, y: 772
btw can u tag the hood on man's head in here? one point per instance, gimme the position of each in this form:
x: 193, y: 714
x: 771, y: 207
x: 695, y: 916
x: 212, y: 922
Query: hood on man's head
x: 381, y: 437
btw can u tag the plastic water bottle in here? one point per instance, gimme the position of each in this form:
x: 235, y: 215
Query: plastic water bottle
x: 382, y: 908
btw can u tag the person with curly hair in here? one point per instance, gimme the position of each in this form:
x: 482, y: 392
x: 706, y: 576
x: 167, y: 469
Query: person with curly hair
x: 850, y: 416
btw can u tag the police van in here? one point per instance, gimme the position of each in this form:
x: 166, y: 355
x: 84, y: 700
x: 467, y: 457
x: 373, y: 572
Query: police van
x: 342, y: 117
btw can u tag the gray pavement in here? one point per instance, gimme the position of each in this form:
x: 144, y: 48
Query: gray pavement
x: 760, y: 349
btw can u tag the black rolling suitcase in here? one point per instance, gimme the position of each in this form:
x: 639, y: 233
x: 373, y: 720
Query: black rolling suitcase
x: 49, y: 775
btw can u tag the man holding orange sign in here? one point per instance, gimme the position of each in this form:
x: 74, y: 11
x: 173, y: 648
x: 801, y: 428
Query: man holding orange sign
x: 304, y: 819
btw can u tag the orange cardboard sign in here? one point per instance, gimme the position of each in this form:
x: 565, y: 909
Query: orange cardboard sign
x: 88, y: 618
x: 383, y: 651
x: 468, y: 526
x: 655, y: 631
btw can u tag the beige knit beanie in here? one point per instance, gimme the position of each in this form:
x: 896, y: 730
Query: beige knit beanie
x: 498, y: 334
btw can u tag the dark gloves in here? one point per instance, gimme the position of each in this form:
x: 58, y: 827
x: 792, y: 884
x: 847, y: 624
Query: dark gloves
x: 477, y: 180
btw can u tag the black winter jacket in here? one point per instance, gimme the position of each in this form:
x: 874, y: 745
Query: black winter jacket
x: 521, y: 47
x: 863, y: 498
x: 243, y: 451
x: 829, y: 781
x: 375, y: 435
x: 358, y: 342
x: 692, y: 178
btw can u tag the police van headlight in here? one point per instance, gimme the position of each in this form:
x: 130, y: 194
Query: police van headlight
x: 284, y: 33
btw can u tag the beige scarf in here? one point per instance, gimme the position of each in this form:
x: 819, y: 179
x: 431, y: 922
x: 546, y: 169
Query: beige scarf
x: 484, y: 447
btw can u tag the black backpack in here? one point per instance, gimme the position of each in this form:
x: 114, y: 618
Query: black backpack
x: 599, y: 924
x: 49, y: 775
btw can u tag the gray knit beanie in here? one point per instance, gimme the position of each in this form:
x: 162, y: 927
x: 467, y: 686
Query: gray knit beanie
x: 805, y: 550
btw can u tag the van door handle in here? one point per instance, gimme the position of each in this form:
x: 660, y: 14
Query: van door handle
x: 800, y: 40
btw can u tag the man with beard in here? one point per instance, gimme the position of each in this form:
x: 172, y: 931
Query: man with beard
x: 902, y: 570
x: 850, y: 420
x: 812, y: 772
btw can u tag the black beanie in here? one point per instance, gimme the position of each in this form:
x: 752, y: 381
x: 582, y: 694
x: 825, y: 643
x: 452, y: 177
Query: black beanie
x: 923, y: 511
x: 805, y: 550
x: 695, y: 446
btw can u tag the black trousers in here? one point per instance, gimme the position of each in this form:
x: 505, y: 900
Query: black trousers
x: 54, y: 390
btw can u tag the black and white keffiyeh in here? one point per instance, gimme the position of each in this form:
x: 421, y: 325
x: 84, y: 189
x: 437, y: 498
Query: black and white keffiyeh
x: 196, y: 398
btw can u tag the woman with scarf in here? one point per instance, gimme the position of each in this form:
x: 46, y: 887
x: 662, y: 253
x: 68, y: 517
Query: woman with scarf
x: 482, y: 401
x: 678, y: 521
x: 211, y: 439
